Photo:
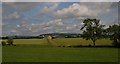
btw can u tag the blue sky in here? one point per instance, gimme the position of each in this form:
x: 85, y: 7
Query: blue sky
x: 34, y: 18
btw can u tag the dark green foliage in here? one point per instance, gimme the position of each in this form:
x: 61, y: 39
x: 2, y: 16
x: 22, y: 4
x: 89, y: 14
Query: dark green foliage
x: 93, y: 30
x: 114, y: 34
x: 3, y: 43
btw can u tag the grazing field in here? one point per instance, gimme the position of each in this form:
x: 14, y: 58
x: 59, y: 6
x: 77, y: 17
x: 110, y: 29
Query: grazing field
x: 50, y: 54
x: 35, y: 53
x: 40, y: 50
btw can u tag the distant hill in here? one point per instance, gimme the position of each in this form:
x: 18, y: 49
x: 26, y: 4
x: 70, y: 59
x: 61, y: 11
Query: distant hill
x: 64, y: 35
x: 55, y: 35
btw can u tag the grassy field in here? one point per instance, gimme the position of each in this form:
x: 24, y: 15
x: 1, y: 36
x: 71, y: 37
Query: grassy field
x: 62, y: 41
x: 40, y: 53
x: 36, y: 53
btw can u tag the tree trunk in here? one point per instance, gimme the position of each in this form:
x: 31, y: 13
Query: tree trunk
x: 115, y: 43
x: 94, y: 43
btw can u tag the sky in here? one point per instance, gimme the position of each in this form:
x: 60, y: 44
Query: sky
x: 35, y: 18
x: 59, y: 0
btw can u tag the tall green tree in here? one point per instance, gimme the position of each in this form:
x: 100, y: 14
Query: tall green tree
x: 92, y: 29
x: 114, y: 34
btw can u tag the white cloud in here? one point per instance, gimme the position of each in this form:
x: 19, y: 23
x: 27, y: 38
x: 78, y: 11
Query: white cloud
x: 60, y: 0
x: 13, y: 31
x: 68, y: 27
x: 48, y: 8
x: 18, y: 26
x: 65, y: 20
x: 57, y: 22
x: 76, y: 10
x: 56, y: 25
x: 8, y: 0
x: 13, y: 15
x: 19, y: 6
x: 34, y: 0
x: 84, y: 9
x: 99, y: 0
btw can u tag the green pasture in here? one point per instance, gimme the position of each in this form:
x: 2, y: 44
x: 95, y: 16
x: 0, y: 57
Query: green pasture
x: 35, y: 50
x: 35, y: 53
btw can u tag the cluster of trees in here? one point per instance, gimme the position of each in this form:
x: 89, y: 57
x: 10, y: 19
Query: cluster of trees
x: 54, y: 35
x: 93, y: 30
x: 20, y: 37
x: 8, y: 42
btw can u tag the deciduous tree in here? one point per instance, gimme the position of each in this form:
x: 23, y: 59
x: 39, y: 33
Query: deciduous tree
x: 114, y: 34
x: 92, y: 29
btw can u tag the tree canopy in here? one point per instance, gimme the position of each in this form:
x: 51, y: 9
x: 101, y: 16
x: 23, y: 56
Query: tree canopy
x: 114, y: 34
x: 92, y: 29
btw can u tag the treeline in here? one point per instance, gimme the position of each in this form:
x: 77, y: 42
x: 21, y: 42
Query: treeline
x: 21, y: 37
x: 54, y: 35
x: 61, y: 35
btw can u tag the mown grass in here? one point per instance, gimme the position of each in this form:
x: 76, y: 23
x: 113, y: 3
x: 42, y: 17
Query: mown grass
x: 35, y: 53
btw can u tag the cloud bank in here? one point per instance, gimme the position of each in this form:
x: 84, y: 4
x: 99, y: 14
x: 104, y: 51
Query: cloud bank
x: 30, y: 18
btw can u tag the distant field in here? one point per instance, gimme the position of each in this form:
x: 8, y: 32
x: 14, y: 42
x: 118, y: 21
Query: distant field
x: 62, y: 41
x: 80, y: 41
x: 34, y: 53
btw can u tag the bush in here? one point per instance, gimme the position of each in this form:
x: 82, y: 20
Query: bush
x: 116, y: 43
x: 10, y: 41
x: 14, y: 45
x: 77, y: 46
x: 89, y: 45
x: 63, y: 46
x: 3, y: 43
x: 69, y: 46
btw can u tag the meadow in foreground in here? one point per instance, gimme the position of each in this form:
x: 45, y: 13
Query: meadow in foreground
x: 38, y: 50
x: 34, y: 53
